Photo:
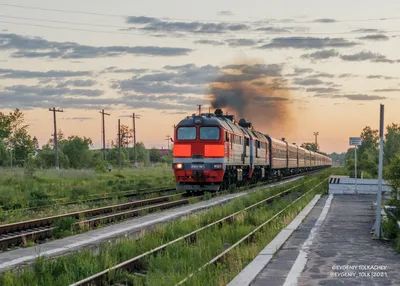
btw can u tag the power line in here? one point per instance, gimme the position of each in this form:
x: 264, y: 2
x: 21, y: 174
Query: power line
x: 62, y: 22
x: 181, y: 19
x: 206, y: 36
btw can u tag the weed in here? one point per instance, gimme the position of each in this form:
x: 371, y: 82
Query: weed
x: 63, y: 227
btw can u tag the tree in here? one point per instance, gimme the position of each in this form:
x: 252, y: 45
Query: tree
x: 310, y: 146
x: 60, y: 137
x: 77, y: 151
x: 155, y: 155
x: 13, y: 129
x: 370, y: 139
x: 5, y: 125
x: 394, y: 176
x: 392, y: 143
x: 125, y: 136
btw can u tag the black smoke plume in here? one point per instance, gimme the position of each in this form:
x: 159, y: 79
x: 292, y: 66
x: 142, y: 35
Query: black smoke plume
x: 257, y: 93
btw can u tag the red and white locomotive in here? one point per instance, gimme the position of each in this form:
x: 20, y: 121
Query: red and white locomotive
x: 213, y: 151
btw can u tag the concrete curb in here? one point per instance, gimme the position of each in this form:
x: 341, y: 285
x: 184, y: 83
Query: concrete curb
x: 250, y: 272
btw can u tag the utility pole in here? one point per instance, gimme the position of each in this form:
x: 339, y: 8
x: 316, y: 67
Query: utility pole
x: 199, y: 105
x: 119, y: 141
x: 54, y: 110
x: 378, y: 229
x: 104, y: 132
x: 134, y: 135
x: 316, y: 140
x: 168, y: 139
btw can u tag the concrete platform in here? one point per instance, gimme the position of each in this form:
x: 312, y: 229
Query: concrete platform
x: 333, y: 246
x: 133, y: 227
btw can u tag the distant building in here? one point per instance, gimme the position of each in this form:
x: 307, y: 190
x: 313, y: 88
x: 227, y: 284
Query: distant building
x: 163, y: 152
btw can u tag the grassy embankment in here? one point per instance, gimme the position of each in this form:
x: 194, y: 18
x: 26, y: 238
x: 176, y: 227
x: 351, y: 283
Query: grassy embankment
x: 51, y: 187
x: 178, y: 261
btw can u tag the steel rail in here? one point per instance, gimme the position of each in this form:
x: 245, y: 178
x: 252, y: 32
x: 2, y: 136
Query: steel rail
x: 41, y: 228
x: 126, y: 194
x: 248, y: 236
x: 99, y: 278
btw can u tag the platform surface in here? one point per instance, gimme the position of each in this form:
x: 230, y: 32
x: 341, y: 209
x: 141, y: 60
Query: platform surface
x: 340, y: 251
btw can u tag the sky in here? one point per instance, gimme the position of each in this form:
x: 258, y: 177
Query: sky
x: 291, y: 68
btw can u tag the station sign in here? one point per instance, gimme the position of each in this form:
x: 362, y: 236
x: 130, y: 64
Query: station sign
x: 355, y: 141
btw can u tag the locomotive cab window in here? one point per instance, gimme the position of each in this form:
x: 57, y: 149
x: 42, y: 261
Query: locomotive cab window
x: 186, y: 133
x: 209, y: 133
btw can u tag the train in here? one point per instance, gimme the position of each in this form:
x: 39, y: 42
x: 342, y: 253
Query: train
x: 213, y: 151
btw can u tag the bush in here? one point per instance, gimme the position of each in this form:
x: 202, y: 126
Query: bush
x: 29, y: 167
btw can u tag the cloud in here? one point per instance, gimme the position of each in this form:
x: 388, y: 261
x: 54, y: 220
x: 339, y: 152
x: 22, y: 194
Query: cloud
x: 225, y: 13
x: 77, y: 83
x: 368, y: 31
x: 158, y: 25
x: 387, y: 90
x: 241, y: 42
x: 302, y: 70
x: 361, y: 56
x: 321, y: 55
x: 306, y: 82
x: 118, y: 70
x: 27, y: 47
x: 20, y: 74
x: 209, y: 42
x: 51, y: 91
x: 28, y: 97
x: 274, y: 29
x: 346, y: 75
x: 380, y: 77
x: 325, y: 20
x: 309, y: 43
x: 375, y: 37
x: 355, y: 97
x: 363, y: 97
x: 79, y: 118
x: 322, y: 74
x: 322, y: 89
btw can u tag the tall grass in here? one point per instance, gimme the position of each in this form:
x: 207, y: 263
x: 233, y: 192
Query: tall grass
x: 52, y: 187
x: 76, y: 266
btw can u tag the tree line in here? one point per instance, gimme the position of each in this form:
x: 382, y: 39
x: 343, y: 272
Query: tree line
x: 19, y: 148
x: 368, y: 156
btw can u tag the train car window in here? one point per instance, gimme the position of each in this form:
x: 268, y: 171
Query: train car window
x: 226, y: 137
x: 209, y: 133
x: 247, y: 141
x: 186, y: 133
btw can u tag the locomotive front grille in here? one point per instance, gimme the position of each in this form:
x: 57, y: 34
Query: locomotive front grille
x: 198, y: 174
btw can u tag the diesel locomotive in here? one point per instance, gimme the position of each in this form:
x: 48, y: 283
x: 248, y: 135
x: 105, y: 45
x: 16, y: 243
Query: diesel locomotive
x: 213, y: 151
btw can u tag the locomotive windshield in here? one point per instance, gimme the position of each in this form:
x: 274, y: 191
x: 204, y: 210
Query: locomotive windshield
x: 209, y: 133
x: 186, y: 133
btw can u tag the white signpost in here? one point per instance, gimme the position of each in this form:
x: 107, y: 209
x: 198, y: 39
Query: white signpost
x: 355, y: 141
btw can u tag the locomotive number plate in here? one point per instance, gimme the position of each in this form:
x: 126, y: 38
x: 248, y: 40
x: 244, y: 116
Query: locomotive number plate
x: 197, y: 166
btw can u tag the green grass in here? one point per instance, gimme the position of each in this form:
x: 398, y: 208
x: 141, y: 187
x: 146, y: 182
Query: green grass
x: 51, y: 186
x: 68, y: 269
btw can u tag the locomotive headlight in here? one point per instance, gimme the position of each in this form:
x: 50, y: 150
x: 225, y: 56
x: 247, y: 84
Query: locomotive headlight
x: 217, y: 166
x: 178, y: 166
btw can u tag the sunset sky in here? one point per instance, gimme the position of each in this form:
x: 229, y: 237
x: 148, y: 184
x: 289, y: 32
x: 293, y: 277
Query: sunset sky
x: 334, y: 63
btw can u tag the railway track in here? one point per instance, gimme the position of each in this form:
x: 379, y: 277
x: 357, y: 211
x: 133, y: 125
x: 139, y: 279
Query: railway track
x: 103, y: 197
x: 137, y: 264
x: 37, y: 230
